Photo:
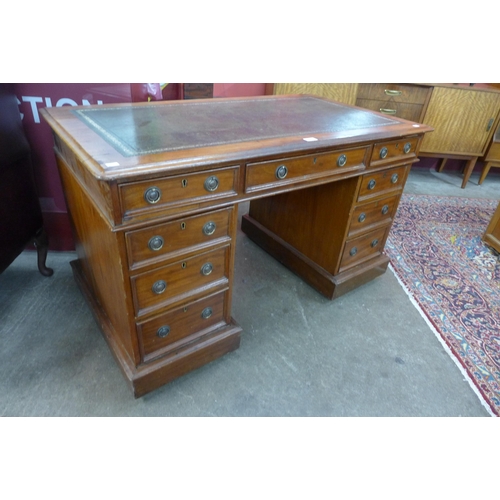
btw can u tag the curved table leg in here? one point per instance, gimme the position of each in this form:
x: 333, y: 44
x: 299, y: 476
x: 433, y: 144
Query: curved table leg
x: 42, y: 247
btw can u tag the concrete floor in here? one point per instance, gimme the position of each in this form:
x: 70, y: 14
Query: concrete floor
x: 300, y: 354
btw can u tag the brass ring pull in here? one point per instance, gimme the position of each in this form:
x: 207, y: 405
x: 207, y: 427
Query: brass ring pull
x: 152, y: 195
x: 207, y: 269
x: 385, y: 209
x: 362, y: 217
x: 156, y: 243
x: 212, y: 183
x: 374, y: 242
x: 163, y: 331
x: 394, y: 178
x: 281, y: 172
x: 392, y: 92
x: 159, y: 287
x: 371, y: 184
x: 383, y: 153
x: 209, y: 228
x: 353, y: 251
x: 407, y: 148
x: 342, y: 160
x: 387, y: 111
x: 206, y: 313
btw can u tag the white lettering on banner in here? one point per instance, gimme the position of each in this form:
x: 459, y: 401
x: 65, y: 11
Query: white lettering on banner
x: 64, y: 101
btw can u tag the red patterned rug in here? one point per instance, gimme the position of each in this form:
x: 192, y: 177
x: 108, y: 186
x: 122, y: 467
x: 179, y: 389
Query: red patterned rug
x: 453, y: 278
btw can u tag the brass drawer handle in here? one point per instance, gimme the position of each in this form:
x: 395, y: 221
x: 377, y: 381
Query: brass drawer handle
x: 156, y: 243
x: 394, y: 178
x: 207, y: 269
x: 281, y: 172
x: 342, y: 160
x: 374, y: 243
x: 407, y: 148
x: 163, y: 331
x: 353, y: 251
x: 388, y: 111
x: 385, y: 209
x: 212, y: 183
x: 206, y: 313
x: 371, y: 184
x: 362, y: 217
x: 392, y: 92
x: 383, y: 153
x: 209, y: 228
x: 159, y: 287
x: 152, y: 195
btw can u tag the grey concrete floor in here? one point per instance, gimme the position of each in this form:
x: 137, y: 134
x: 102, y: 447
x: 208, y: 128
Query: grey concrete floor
x: 368, y: 353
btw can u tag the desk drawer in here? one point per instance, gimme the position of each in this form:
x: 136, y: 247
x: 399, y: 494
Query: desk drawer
x: 166, y: 240
x: 178, y: 190
x: 401, y: 150
x: 268, y: 174
x: 393, y: 92
x: 370, y: 215
x: 181, y: 279
x: 363, y: 247
x: 384, y: 182
x: 161, y: 334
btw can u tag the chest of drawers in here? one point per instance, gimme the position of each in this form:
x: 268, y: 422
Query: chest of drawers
x: 153, y: 192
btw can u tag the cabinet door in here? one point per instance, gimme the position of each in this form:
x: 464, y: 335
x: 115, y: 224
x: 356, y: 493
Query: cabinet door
x: 341, y: 92
x: 462, y: 119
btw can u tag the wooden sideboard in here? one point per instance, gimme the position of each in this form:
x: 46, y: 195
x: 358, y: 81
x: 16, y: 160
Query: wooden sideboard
x: 463, y: 117
x: 153, y: 190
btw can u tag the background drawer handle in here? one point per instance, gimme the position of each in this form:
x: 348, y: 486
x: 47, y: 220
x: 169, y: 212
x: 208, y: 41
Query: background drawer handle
x: 407, y: 148
x: 159, y: 287
x: 353, y: 251
x: 209, y: 228
x: 388, y: 111
x: 281, y: 172
x: 371, y: 184
x: 206, y: 313
x: 207, y: 269
x: 374, y: 243
x: 392, y: 92
x: 152, y: 195
x: 342, y: 160
x: 156, y: 243
x: 362, y: 217
x: 385, y: 209
x: 394, y: 178
x: 383, y: 153
x: 163, y: 331
x: 212, y: 183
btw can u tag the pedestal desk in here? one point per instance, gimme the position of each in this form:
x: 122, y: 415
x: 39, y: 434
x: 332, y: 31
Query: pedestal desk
x: 153, y: 191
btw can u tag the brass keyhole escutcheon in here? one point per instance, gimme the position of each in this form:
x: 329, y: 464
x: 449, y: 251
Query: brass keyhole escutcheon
x: 183, y: 265
x: 184, y: 183
x: 183, y: 225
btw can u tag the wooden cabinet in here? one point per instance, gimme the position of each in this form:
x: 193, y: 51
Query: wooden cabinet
x: 340, y: 92
x: 492, y: 234
x: 463, y: 117
x: 153, y: 191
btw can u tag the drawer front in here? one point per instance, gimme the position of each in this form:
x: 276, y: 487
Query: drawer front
x: 395, y: 92
x: 161, y: 334
x: 377, y: 213
x: 400, y: 150
x: 407, y: 111
x: 166, y: 240
x: 180, y: 279
x: 363, y: 248
x: 380, y: 183
x: 265, y: 175
x: 178, y: 190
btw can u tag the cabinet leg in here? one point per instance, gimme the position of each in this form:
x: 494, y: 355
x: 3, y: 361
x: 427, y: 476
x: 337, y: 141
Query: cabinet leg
x: 485, y: 171
x: 42, y: 247
x: 468, y: 170
x: 442, y: 163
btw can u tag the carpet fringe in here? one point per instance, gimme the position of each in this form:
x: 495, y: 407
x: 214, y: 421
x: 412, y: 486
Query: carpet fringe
x: 443, y: 343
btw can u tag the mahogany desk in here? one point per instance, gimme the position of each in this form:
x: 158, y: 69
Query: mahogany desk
x: 153, y: 191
